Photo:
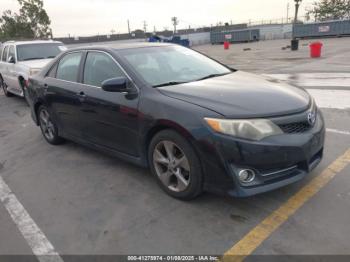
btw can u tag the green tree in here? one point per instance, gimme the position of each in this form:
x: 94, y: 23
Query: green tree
x: 31, y: 22
x: 34, y: 14
x: 347, y: 9
x: 330, y: 10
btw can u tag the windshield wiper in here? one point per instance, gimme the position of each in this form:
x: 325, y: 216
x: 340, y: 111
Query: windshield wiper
x: 33, y: 58
x: 171, y: 83
x: 211, y: 76
x: 53, y: 56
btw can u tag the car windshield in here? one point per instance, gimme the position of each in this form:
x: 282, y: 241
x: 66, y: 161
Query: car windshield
x: 171, y: 65
x: 38, y: 51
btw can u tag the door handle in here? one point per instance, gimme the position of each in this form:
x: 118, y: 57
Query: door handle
x: 81, y: 96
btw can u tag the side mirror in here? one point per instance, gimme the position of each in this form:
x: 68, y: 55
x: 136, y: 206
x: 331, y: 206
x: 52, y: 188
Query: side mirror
x: 118, y: 84
x: 11, y: 60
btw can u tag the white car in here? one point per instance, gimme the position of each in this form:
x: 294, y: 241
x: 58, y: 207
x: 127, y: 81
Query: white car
x: 20, y: 60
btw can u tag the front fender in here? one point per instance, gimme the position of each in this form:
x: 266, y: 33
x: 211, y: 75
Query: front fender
x: 25, y: 76
x: 23, y: 71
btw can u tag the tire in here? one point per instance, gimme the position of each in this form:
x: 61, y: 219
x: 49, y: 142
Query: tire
x: 25, y: 96
x: 182, y: 178
x: 4, y: 88
x: 48, y: 127
x: 24, y: 92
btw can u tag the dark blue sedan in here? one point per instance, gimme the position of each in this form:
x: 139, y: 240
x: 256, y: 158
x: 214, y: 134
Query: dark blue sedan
x: 197, y: 124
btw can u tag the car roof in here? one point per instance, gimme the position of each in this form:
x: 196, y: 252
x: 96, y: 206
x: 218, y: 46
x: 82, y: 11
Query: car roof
x: 115, y: 47
x: 32, y: 42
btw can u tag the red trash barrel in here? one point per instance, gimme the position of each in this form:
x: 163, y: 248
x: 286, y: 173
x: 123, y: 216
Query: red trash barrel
x: 315, y: 49
x: 226, y: 45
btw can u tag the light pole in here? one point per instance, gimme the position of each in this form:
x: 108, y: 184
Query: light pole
x: 297, y: 4
x: 295, y: 42
x: 129, y: 28
x: 175, y: 23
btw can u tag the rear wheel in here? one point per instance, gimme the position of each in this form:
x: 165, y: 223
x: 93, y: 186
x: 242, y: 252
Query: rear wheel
x: 48, y: 127
x: 4, y: 87
x: 175, y: 165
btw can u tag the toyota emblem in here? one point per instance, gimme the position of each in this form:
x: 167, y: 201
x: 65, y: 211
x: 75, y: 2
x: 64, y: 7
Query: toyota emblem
x: 311, y: 118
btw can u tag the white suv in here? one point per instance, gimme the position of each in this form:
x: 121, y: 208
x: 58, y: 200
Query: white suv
x: 20, y: 60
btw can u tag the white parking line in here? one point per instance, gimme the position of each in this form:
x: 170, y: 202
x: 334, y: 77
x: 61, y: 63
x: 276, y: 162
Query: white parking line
x: 338, y: 131
x: 40, y: 245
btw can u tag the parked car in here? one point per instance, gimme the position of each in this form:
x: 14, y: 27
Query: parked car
x: 199, y: 125
x: 20, y: 60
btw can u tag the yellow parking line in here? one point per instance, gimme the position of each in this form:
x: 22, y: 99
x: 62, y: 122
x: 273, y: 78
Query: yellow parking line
x: 256, y: 236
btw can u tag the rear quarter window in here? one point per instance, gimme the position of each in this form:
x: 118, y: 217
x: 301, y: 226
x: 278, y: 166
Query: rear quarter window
x: 52, y: 71
x: 1, y: 49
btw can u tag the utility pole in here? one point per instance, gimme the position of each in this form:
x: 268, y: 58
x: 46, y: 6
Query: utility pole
x: 129, y: 27
x: 175, y: 23
x: 287, y: 12
x: 295, y: 42
x: 297, y: 4
x: 145, y: 26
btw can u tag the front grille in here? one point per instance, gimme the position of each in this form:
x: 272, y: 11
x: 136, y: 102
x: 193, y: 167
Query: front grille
x: 295, y: 128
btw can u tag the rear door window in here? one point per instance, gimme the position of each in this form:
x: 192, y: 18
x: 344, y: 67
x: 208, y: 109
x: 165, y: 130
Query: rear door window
x: 100, y: 67
x: 68, y: 67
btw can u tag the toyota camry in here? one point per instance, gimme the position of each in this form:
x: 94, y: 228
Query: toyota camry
x: 197, y: 124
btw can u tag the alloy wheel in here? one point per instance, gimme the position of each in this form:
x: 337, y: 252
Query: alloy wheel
x: 172, y: 166
x: 46, y: 124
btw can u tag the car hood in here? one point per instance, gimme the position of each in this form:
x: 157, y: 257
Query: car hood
x: 242, y: 95
x: 40, y: 63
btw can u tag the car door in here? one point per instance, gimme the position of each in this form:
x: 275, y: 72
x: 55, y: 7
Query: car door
x: 62, y: 93
x: 12, y: 78
x: 111, y: 119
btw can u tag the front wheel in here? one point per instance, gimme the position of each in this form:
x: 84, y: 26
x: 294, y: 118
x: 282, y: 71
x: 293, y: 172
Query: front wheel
x: 25, y: 96
x: 48, y: 127
x: 175, y: 165
x: 24, y: 90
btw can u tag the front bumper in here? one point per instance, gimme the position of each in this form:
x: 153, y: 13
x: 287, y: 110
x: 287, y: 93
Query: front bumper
x: 277, y: 161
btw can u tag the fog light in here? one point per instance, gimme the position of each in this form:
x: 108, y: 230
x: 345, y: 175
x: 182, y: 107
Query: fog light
x: 246, y: 175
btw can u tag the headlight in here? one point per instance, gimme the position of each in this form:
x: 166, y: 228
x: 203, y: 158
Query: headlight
x: 34, y: 71
x: 254, y: 129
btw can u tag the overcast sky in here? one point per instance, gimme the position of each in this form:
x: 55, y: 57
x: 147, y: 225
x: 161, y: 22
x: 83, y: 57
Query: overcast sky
x: 90, y: 17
